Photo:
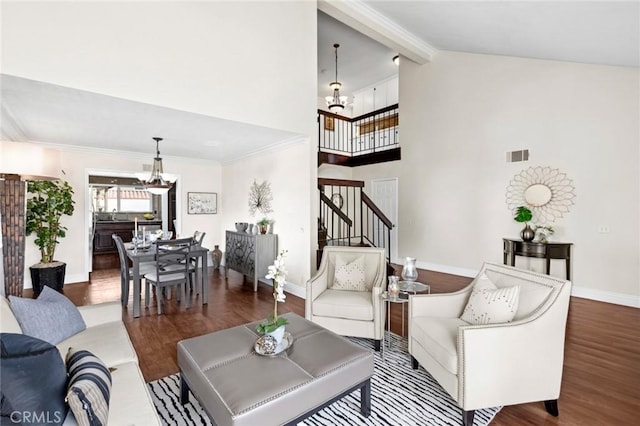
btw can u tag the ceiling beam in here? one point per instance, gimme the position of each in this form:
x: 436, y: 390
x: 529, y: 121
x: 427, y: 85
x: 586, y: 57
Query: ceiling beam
x: 363, y: 18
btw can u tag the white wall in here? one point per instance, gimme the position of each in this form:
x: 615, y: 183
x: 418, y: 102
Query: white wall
x: 194, y: 176
x: 289, y: 180
x: 461, y: 113
x: 252, y: 62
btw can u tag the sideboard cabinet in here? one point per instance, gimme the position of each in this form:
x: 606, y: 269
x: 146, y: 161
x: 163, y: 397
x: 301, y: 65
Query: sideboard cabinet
x: 250, y: 254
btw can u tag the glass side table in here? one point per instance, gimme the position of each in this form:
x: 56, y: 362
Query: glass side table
x: 406, y: 288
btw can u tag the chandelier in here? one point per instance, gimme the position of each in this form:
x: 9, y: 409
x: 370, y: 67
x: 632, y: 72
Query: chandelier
x: 336, y: 102
x: 158, y: 182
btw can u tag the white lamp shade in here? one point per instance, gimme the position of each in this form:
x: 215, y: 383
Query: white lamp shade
x: 29, y: 160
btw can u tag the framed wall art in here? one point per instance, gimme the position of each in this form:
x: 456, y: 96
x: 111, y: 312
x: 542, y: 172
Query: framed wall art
x: 328, y: 123
x: 202, y: 203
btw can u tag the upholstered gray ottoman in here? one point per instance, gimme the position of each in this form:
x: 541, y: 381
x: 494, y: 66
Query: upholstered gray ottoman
x: 236, y: 386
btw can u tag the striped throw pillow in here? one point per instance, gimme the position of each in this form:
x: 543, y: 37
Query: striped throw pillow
x: 88, y: 389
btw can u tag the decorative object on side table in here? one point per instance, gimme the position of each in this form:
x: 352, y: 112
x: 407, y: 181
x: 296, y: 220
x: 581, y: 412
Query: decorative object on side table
x: 409, y: 271
x: 523, y: 214
x: 263, y: 225
x: 273, y: 325
x: 394, y: 287
x: 241, y: 226
x: 50, y: 200
x: 544, y: 232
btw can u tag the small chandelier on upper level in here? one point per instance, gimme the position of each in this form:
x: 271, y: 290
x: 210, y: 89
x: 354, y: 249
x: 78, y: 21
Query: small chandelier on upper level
x: 336, y: 103
x: 158, y: 182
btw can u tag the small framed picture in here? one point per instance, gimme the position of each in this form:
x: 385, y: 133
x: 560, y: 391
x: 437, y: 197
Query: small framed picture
x: 328, y: 123
x: 202, y: 203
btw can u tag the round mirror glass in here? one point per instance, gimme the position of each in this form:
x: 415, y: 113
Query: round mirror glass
x: 537, y: 195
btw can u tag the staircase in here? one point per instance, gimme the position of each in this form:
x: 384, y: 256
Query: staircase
x: 348, y: 217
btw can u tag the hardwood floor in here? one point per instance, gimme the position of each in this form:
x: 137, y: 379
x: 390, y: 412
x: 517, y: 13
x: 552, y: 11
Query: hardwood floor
x: 601, y: 381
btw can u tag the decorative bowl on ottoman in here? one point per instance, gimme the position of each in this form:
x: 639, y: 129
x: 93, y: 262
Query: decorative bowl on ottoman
x: 241, y: 226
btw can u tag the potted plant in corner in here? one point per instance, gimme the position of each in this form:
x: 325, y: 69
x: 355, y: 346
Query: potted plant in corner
x: 524, y: 215
x: 49, y: 200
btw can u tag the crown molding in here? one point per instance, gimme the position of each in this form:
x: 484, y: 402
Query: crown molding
x: 118, y: 153
x: 296, y: 139
x: 361, y: 17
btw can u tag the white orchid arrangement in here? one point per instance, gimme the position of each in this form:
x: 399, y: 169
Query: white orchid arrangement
x: 277, y: 273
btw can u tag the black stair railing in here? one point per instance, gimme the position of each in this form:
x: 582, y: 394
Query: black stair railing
x: 349, y: 217
x: 373, y: 132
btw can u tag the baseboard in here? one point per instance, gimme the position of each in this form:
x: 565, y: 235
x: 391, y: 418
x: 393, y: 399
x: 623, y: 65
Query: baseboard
x: 68, y: 279
x: 576, y: 291
x: 606, y: 296
x: 446, y: 269
x: 290, y: 288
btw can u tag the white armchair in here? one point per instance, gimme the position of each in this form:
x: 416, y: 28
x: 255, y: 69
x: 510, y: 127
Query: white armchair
x: 358, y: 313
x: 490, y: 365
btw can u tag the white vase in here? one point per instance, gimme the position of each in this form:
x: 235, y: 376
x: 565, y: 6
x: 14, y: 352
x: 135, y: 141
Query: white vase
x: 277, y: 334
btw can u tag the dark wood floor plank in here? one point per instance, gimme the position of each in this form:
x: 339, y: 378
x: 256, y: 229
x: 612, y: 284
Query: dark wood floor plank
x: 601, y: 381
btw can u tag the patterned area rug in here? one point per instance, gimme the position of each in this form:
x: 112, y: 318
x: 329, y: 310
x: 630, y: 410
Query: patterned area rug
x: 399, y: 396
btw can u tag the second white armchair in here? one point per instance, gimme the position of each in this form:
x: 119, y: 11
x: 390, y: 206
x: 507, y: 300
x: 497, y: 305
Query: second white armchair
x: 344, y: 295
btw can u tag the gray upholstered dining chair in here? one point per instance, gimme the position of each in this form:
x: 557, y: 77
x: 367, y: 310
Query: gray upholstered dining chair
x: 172, y: 270
x: 126, y: 273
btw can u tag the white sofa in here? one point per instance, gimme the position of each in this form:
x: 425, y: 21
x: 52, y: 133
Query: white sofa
x: 107, y: 338
x: 490, y: 365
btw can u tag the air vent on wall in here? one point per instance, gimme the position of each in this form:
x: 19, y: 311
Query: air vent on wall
x: 516, y: 156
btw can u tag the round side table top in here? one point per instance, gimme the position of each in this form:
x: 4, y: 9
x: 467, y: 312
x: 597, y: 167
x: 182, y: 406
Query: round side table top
x: 413, y: 287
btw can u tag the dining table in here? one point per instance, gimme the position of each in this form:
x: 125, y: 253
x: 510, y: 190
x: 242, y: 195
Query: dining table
x: 140, y: 255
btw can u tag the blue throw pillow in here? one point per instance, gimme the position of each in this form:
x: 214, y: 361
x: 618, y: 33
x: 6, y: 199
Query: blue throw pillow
x: 34, y: 381
x: 89, y: 388
x: 51, y: 317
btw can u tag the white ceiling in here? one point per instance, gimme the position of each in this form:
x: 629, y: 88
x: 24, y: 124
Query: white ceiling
x: 605, y: 32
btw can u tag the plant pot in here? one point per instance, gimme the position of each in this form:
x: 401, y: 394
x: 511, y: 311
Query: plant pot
x: 527, y: 234
x: 49, y: 274
x: 263, y: 228
x: 277, y: 334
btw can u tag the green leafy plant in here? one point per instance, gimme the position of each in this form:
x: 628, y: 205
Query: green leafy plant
x: 270, y: 325
x: 264, y: 221
x: 523, y: 214
x: 49, y: 201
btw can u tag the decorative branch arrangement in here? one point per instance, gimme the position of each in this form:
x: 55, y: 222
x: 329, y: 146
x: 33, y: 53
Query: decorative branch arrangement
x: 260, y: 198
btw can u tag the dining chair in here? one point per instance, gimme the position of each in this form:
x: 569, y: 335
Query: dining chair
x: 198, y: 237
x: 126, y: 273
x: 172, y: 269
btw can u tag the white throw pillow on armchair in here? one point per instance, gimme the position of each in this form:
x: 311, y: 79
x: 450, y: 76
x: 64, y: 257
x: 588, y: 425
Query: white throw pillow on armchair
x: 349, y: 276
x: 489, y: 304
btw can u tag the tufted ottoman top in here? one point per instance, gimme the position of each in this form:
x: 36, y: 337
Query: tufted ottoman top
x: 236, y: 386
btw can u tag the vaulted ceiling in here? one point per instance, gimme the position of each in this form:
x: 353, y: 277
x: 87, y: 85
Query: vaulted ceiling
x: 600, y: 32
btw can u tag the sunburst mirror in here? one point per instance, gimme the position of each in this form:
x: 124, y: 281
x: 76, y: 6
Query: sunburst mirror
x: 547, y: 192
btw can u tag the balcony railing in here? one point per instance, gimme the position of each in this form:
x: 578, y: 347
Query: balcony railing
x: 373, y: 132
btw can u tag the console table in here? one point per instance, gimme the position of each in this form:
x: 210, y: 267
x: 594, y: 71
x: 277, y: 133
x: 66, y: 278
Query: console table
x: 548, y: 251
x: 250, y: 254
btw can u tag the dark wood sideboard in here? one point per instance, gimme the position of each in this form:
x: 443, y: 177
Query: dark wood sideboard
x: 547, y: 251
